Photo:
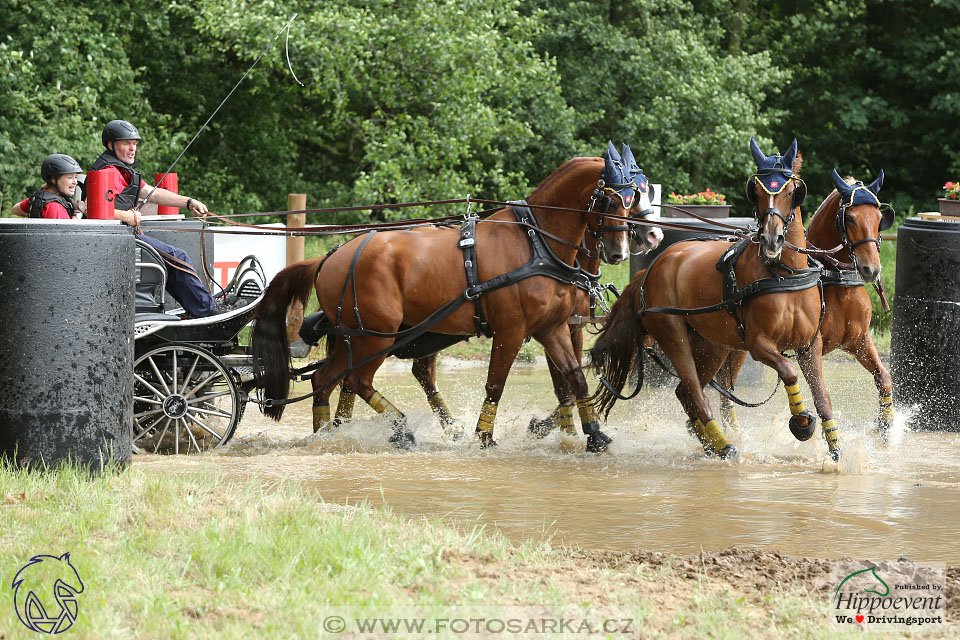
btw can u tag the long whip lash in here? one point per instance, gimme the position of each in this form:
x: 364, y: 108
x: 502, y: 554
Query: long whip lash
x: 286, y: 28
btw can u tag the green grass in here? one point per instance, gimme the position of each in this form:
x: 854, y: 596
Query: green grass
x: 167, y: 554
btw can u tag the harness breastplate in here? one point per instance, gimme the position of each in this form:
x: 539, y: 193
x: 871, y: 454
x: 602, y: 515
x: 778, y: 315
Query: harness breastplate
x: 41, y: 198
x: 126, y: 199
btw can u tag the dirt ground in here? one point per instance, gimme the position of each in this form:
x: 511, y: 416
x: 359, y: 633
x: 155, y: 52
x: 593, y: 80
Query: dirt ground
x: 671, y: 582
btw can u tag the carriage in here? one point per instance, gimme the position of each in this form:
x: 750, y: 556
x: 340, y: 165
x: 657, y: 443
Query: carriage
x: 192, y: 377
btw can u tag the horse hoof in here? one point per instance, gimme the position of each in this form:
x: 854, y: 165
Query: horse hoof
x: 597, y: 442
x: 729, y: 452
x: 403, y: 440
x: 803, y: 433
x: 486, y: 440
x: 540, y: 428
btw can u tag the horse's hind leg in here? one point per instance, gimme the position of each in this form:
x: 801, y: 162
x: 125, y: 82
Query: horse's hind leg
x: 361, y: 381
x: 559, y: 347
x: 334, y: 363
x: 562, y: 416
x: 425, y: 372
x: 727, y: 378
x: 865, y: 351
x: 677, y: 342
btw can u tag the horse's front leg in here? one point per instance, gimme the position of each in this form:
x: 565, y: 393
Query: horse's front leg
x: 865, y: 351
x: 811, y: 363
x: 425, y: 372
x: 506, y: 346
x: 559, y: 347
x: 803, y: 424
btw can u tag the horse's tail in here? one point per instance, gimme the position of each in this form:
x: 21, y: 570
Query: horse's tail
x: 271, y: 349
x: 615, y: 353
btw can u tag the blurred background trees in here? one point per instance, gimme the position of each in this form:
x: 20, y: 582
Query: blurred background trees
x: 439, y: 98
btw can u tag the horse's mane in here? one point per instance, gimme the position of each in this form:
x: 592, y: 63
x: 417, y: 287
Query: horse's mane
x: 554, y: 178
x: 829, y: 202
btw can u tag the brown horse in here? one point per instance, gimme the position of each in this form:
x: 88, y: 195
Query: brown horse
x: 849, y: 218
x: 601, y: 244
x: 401, y: 278
x: 761, y: 314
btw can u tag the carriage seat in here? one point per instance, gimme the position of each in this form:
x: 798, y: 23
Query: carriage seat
x: 151, y: 279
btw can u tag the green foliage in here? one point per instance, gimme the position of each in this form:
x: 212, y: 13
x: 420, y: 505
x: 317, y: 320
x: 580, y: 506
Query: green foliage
x: 441, y: 98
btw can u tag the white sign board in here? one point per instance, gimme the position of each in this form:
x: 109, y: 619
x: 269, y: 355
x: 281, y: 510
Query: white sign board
x: 230, y: 248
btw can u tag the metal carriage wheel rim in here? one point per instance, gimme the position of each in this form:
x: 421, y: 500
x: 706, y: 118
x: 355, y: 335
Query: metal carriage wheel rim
x: 186, y: 400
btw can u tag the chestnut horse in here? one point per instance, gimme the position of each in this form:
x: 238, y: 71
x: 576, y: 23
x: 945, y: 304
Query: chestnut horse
x: 683, y: 302
x: 374, y: 284
x: 849, y: 218
x: 600, y: 244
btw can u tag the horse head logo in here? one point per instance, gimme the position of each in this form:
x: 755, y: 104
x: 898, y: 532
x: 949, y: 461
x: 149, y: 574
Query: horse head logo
x: 45, y: 594
x: 864, y: 582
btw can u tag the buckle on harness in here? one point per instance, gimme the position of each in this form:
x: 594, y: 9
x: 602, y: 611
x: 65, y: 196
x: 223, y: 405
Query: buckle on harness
x: 467, y: 296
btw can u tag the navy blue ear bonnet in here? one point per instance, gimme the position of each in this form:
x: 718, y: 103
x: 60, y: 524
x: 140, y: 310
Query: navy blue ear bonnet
x: 773, y: 172
x: 852, y: 195
x: 622, y: 176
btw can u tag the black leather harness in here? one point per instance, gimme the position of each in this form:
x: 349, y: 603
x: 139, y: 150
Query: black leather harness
x: 735, y: 297
x: 543, y: 262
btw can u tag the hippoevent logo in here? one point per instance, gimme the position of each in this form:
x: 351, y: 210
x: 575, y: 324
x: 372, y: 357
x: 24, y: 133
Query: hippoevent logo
x: 894, y: 596
x: 45, y: 594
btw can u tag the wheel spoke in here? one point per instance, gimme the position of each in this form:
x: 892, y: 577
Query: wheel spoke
x: 204, y: 382
x: 186, y: 427
x: 146, y: 430
x: 153, y: 365
x: 141, y: 380
x: 202, y: 425
x: 189, y: 376
x: 173, y: 381
x: 145, y: 414
x: 166, y: 425
x: 218, y: 394
x: 219, y: 412
x: 147, y: 400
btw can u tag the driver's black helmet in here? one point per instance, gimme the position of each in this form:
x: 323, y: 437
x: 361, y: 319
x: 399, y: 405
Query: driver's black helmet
x: 119, y: 130
x: 56, y: 165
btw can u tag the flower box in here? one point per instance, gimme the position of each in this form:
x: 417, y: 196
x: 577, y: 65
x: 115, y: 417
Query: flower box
x: 702, y: 210
x: 949, y: 207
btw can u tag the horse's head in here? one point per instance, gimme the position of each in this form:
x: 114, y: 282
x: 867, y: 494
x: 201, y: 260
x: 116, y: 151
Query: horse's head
x: 860, y: 221
x: 775, y: 188
x: 623, y: 191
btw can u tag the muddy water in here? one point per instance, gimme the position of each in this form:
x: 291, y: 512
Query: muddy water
x: 653, y: 489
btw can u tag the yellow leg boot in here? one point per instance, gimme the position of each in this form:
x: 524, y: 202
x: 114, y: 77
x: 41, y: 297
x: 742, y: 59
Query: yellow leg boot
x: 799, y: 414
x: 401, y: 434
x: 344, y: 406
x: 488, y: 415
x: 597, y: 440
x: 728, y: 415
x: 713, y: 440
x: 321, y: 417
x: 561, y: 417
x: 885, y: 419
x: 831, y: 433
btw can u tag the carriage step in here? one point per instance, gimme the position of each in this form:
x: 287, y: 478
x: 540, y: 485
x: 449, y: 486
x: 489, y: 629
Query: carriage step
x: 249, y: 289
x: 244, y: 373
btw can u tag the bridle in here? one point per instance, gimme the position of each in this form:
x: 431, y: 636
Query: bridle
x: 885, y: 222
x: 603, y: 195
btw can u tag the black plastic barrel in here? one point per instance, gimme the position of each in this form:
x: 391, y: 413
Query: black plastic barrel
x: 66, y: 344
x: 185, y: 235
x: 925, y: 339
x: 752, y: 372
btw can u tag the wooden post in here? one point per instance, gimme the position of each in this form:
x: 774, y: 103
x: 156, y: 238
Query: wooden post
x: 295, y: 250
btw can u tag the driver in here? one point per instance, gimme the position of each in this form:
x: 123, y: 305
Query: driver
x: 120, y: 139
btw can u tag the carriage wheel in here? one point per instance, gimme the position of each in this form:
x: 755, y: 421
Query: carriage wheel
x: 185, y: 401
